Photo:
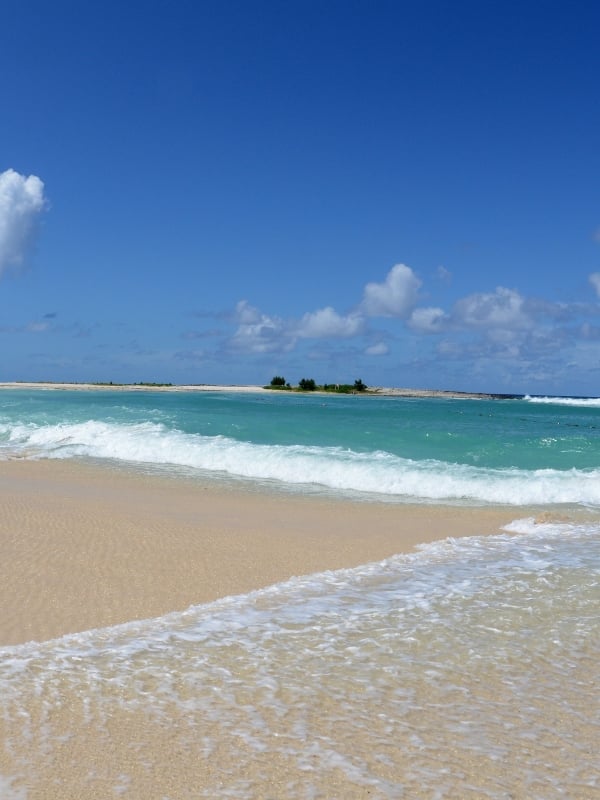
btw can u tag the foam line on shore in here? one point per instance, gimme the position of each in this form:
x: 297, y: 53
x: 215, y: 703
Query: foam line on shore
x: 85, y: 546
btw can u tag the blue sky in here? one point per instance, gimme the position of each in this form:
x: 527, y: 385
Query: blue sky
x: 207, y: 192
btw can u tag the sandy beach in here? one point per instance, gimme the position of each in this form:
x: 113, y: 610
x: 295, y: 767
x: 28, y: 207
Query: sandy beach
x: 87, y: 547
x: 372, y: 391
x: 132, y: 387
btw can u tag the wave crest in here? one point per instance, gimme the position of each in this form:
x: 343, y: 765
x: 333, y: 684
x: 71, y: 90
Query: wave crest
x: 375, y: 473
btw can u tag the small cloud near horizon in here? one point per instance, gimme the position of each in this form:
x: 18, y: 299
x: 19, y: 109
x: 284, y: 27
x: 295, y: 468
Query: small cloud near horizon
x: 503, y: 326
x: 377, y: 349
x: 327, y: 323
x: 427, y: 320
x: 259, y: 333
x: 503, y: 308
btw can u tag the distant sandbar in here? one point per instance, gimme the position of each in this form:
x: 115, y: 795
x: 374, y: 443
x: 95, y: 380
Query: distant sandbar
x: 378, y: 391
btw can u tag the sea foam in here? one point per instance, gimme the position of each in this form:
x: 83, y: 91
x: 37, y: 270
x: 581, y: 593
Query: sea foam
x: 583, y: 402
x: 388, y: 476
x: 460, y: 651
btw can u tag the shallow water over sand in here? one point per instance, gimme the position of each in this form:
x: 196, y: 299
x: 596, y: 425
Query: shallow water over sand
x: 468, y: 669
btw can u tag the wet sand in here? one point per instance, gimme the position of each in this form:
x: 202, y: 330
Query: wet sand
x: 84, y: 546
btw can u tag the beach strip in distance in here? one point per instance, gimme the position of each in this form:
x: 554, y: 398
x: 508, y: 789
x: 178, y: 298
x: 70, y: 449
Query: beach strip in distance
x: 372, y: 391
x: 88, y: 546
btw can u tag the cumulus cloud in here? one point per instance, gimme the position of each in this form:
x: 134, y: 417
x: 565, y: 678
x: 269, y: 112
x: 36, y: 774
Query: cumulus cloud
x: 377, y: 349
x: 21, y: 202
x: 327, y: 323
x: 595, y: 281
x: 427, y: 320
x: 395, y: 297
x: 247, y: 314
x: 259, y: 333
x: 502, y: 308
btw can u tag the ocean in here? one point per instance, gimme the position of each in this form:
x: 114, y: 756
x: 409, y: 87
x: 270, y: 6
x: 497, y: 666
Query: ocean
x: 517, y: 452
x: 467, y: 669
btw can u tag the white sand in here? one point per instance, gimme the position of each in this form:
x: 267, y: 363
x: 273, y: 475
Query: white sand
x: 86, y: 547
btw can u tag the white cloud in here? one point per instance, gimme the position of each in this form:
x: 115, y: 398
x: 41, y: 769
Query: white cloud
x: 378, y: 349
x: 259, y: 333
x: 395, y: 297
x: 427, y: 320
x: 247, y: 314
x: 502, y: 308
x: 327, y: 323
x: 21, y: 201
x: 595, y: 281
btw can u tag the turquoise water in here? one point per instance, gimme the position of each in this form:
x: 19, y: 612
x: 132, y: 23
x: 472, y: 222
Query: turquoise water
x: 426, y: 450
x: 465, y: 670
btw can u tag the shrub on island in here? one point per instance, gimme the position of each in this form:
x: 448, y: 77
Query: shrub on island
x: 309, y: 385
x: 278, y: 382
x: 345, y: 388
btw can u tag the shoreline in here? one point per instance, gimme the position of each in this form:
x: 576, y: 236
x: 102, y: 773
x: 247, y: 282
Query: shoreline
x: 88, y: 547
x: 407, y: 674
x: 372, y: 391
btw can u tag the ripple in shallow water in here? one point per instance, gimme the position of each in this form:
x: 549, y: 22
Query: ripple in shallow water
x: 469, y: 669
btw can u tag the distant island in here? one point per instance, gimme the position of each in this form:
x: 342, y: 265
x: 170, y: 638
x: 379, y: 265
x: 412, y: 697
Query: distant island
x: 366, y: 391
x: 278, y: 383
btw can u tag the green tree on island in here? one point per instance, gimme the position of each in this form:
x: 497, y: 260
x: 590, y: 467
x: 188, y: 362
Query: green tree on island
x: 309, y: 385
